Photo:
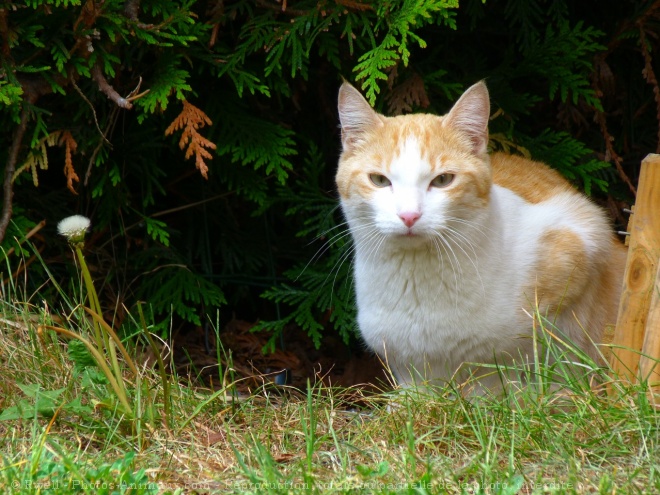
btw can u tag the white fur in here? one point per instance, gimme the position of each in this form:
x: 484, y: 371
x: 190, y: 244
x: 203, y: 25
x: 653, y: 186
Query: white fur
x: 429, y: 307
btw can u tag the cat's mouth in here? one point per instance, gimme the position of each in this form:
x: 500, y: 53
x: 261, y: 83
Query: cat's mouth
x: 411, y: 239
x: 410, y: 233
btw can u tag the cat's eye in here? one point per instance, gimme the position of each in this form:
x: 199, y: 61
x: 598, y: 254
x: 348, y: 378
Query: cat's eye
x: 442, y: 180
x: 380, y: 180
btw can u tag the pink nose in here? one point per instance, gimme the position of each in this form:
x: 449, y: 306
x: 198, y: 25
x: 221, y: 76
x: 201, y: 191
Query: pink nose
x: 409, y: 218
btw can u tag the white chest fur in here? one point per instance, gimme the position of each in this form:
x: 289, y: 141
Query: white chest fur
x: 432, y: 307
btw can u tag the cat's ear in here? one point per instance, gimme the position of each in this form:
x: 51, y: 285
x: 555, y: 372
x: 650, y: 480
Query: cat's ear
x: 470, y: 114
x: 355, y: 115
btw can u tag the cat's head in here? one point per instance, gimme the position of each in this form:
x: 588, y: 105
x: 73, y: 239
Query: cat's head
x: 410, y: 175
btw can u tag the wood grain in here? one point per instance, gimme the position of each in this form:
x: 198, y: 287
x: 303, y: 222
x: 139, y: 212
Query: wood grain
x: 638, y: 323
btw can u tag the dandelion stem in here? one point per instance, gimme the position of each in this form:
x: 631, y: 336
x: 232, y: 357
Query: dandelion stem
x: 92, y: 296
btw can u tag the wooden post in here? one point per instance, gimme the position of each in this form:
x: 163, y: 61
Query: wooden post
x: 649, y: 362
x: 636, y: 343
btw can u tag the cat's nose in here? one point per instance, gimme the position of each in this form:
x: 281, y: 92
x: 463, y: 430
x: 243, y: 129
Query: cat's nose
x: 409, y: 218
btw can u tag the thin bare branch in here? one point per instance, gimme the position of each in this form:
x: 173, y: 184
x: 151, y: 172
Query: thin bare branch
x: 649, y: 75
x: 109, y: 91
x: 131, y: 9
x: 4, y: 34
x: 12, y: 158
x: 89, y: 103
x: 611, y: 152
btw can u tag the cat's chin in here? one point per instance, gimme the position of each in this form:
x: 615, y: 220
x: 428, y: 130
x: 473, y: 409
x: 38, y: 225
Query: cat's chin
x: 410, y: 239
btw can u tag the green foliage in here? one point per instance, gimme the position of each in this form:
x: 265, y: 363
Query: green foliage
x: 80, y: 355
x: 566, y: 84
x: 15, y: 237
x: 168, y: 79
x: 176, y: 289
x: 261, y: 144
x: 41, y: 402
x: 157, y: 230
x: 10, y: 93
x: 325, y: 289
x: 54, y: 471
x: 398, y: 18
x: 563, y: 58
x: 323, y: 284
x: 570, y: 156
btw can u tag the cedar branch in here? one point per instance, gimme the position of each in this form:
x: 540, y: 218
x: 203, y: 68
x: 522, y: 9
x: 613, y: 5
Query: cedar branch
x: 283, y: 9
x: 12, y: 158
x: 109, y: 91
x: 354, y: 5
x: 132, y: 10
x: 89, y: 103
x: 190, y: 119
x: 70, y: 147
x: 601, y: 119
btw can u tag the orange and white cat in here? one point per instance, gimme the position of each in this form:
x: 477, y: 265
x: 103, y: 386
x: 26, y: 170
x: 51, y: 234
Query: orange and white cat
x: 455, y: 248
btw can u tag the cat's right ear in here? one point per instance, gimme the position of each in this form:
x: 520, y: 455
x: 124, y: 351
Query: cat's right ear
x: 355, y: 115
x: 470, y: 116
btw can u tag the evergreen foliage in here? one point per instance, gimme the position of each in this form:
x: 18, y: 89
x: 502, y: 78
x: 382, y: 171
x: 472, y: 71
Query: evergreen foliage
x: 201, y: 136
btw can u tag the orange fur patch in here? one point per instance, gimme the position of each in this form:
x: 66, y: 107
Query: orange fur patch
x: 532, y: 181
x: 562, y: 270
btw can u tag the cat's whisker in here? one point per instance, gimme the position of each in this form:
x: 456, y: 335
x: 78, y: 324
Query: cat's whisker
x: 438, y: 242
x: 334, y: 227
x: 346, y: 233
x: 466, y: 241
x: 339, y: 225
x: 452, y: 235
x: 325, y: 233
x: 371, y: 242
x: 345, y: 256
x: 322, y: 250
x: 456, y: 267
x: 438, y: 253
x: 380, y: 238
x: 474, y: 225
x: 329, y: 243
x: 337, y: 266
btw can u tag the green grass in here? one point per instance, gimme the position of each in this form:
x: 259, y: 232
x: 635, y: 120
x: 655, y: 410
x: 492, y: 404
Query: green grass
x: 63, y: 429
x: 65, y: 434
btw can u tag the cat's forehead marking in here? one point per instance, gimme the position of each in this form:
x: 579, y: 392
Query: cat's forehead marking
x: 408, y: 151
x: 408, y: 162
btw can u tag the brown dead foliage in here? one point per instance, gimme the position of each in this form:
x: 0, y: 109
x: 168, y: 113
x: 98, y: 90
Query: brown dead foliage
x: 190, y: 120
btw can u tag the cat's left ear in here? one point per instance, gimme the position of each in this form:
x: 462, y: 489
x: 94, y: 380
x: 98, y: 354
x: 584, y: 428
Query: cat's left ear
x: 355, y: 115
x: 470, y: 114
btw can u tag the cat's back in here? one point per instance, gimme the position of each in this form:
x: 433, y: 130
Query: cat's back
x: 562, y: 218
x: 533, y: 181
x: 551, y: 206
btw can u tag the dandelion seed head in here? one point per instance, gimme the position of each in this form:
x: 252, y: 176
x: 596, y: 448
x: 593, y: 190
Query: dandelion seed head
x: 74, y: 227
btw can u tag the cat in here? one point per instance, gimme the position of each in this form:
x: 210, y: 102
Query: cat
x: 454, y: 249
